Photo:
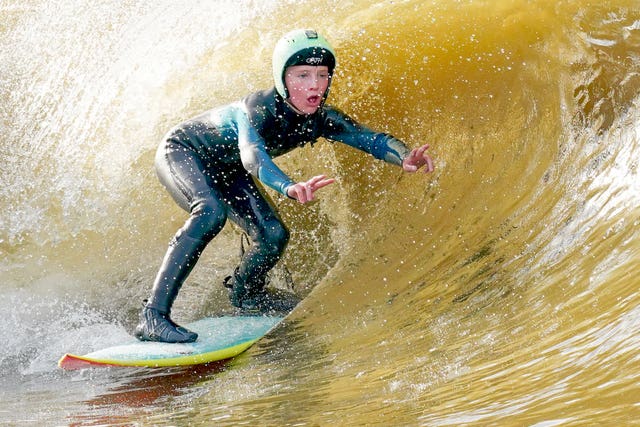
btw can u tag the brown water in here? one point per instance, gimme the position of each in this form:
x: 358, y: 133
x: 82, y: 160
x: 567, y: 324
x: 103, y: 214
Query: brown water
x: 501, y: 290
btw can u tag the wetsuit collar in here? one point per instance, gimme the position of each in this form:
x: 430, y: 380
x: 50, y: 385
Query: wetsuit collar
x: 295, y: 110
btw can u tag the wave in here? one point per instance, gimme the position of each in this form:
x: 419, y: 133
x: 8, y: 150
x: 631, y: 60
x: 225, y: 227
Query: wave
x: 499, y: 289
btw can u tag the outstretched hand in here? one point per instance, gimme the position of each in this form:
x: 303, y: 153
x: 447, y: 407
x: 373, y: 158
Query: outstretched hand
x: 417, y: 159
x: 303, y: 192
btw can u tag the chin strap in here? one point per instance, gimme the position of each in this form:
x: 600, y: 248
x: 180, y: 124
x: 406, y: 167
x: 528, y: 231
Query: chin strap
x: 294, y: 109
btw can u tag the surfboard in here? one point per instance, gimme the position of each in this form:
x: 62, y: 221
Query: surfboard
x: 219, y: 338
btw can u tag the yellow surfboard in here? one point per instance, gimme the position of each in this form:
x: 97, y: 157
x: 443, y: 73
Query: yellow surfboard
x: 219, y: 338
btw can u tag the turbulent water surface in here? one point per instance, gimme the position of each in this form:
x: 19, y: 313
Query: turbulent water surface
x: 500, y: 290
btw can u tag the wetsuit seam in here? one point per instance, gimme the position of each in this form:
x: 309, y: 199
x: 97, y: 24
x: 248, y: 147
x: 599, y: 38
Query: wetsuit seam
x: 175, y: 176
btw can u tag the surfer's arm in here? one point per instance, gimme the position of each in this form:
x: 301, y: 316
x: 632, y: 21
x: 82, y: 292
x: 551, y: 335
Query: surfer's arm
x: 255, y: 158
x: 340, y: 127
x: 382, y: 146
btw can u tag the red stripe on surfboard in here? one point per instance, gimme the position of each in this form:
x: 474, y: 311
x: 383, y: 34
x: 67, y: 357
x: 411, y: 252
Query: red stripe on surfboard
x: 71, y: 362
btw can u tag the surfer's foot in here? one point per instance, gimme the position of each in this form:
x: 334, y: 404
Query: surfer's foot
x: 157, y: 326
x: 259, y: 299
x: 268, y: 302
x: 264, y: 301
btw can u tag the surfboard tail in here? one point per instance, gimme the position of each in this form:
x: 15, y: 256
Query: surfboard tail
x: 72, y: 362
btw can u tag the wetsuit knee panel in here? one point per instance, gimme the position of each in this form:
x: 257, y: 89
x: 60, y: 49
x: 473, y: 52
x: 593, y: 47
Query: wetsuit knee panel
x: 208, y: 217
x: 275, y: 236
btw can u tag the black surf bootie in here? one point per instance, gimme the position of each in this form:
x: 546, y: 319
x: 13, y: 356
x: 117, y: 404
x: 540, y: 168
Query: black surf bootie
x: 258, y: 299
x: 157, y: 326
x: 241, y: 294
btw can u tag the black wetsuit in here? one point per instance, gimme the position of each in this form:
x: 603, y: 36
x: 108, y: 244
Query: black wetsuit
x: 209, y: 164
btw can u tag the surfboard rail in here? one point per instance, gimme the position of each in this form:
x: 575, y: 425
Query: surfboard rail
x: 73, y: 361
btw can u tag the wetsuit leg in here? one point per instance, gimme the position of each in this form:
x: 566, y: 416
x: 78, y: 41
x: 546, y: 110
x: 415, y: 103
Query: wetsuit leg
x: 186, y: 178
x: 254, y: 213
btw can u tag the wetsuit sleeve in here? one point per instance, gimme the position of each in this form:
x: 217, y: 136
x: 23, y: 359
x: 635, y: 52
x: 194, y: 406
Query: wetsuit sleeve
x: 342, y: 128
x: 255, y: 158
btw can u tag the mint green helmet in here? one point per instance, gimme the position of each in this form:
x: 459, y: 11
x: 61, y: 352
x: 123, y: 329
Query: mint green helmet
x: 300, y: 47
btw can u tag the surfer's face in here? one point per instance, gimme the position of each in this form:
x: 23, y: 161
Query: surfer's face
x: 307, y: 85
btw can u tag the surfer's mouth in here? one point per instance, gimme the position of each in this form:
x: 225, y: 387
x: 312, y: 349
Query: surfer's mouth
x: 314, y: 100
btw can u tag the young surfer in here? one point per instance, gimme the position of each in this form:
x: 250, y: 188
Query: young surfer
x: 211, y: 163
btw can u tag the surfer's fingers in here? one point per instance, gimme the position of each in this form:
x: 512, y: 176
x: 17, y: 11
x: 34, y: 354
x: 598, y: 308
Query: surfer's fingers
x: 319, y: 181
x: 308, y: 192
x: 323, y: 183
x: 428, y: 167
x: 300, y: 192
x: 420, y: 150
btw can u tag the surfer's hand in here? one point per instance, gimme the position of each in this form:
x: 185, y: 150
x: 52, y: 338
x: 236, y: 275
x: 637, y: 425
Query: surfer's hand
x: 417, y: 159
x: 303, y: 192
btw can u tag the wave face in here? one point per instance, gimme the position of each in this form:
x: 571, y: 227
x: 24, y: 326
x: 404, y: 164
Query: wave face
x: 500, y: 290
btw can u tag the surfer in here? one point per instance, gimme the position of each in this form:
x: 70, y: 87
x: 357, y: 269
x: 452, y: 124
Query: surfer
x: 211, y: 163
